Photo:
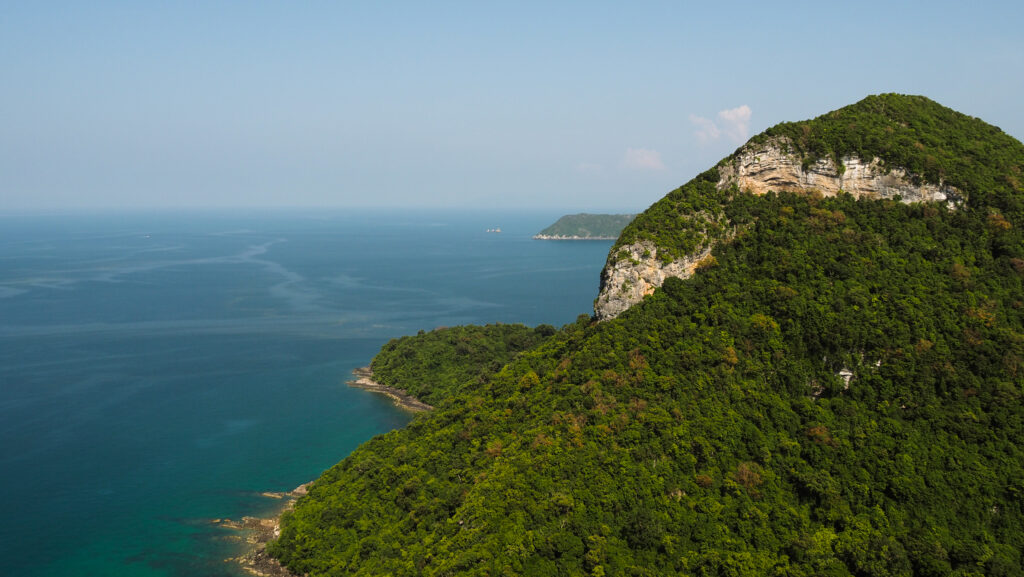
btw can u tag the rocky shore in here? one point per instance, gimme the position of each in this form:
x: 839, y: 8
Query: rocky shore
x: 571, y: 237
x: 261, y: 531
x: 364, y: 380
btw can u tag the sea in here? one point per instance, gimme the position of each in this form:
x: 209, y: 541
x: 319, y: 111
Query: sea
x: 159, y: 370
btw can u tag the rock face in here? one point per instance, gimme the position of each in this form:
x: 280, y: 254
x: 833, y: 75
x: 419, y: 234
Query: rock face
x: 760, y: 168
x: 629, y: 280
x: 768, y: 166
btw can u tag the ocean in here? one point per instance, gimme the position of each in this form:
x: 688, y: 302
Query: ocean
x: 162, y: 369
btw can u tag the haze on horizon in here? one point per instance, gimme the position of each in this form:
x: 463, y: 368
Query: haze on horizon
x: 579, y: 106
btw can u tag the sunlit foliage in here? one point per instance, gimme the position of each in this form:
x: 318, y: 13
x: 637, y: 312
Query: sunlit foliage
x: 839, y: 392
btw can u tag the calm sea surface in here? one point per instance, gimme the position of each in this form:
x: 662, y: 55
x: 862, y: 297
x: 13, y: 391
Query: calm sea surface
x: 161, y: 370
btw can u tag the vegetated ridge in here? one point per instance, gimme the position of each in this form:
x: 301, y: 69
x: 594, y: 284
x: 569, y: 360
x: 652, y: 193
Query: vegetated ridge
x: 886, y: 146
x: 586, y: 226
x: 434, y: 366
x: 836, y: 390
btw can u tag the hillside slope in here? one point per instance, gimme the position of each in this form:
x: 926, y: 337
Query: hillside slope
x: 885, y: 146
x: 837, y: 390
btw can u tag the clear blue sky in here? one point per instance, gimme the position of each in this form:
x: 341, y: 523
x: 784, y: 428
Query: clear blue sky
x: 571, y: 105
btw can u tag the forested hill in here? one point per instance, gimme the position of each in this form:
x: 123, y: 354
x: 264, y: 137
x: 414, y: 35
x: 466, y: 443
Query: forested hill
x: 931, y: 142
x: 891, y: 146
x: 586, y: 227
x: 837, y: 390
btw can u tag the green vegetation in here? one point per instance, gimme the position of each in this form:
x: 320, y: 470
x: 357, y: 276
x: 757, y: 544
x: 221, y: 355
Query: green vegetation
x: 588, y: 226
x: 435, y: 366
x: 686, y: 221
x: 931, y: 141
x: 837, y: 392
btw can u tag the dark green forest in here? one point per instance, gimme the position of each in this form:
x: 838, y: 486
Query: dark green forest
x: 434, y: 366
x: 837, y: 392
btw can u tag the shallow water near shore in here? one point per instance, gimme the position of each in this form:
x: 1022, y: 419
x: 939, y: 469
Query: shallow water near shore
x: 158, y: 371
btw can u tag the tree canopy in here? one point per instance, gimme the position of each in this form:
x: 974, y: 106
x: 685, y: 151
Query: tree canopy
x: 838, y: 392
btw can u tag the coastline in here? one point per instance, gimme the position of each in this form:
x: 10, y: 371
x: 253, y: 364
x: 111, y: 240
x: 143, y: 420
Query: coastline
x: 402, y: 399
x: 261, y: 531
x: 572, y: 237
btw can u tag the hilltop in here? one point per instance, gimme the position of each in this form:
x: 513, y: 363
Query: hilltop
x: 888, y: 146
x: 832, y: 386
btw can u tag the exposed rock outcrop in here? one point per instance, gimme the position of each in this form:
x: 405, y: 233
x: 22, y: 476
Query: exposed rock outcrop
x: 400, y: 397
x: 759, y: 168
x: 628, y: 280
x: 768, y: 166
x: 260, y: 532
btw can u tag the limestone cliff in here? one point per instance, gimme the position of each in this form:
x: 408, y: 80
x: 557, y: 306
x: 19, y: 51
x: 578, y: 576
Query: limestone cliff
x: 627, y: 281
x: 769, y: 166
x: 634, y: 270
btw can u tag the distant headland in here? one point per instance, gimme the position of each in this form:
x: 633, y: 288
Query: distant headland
x: 586, y: 227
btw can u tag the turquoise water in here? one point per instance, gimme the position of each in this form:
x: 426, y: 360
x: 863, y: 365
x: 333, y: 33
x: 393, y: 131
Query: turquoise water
x: 161, y: 370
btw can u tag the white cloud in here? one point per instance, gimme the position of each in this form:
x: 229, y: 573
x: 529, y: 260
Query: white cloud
x: 733, y: 123
x: 589, y: 168
x: 706, y: 129
x: 643, y: 159
x: 737, y: 122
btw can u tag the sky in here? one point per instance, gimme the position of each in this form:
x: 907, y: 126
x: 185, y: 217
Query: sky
x: 577, y: 106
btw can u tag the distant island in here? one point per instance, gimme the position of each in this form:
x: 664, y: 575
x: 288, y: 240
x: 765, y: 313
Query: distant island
x: 586, y: 227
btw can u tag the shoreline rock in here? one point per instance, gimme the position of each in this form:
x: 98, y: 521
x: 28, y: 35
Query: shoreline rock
x: 573, y: 237
x: 402, y: 399
x: 261, y: 531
